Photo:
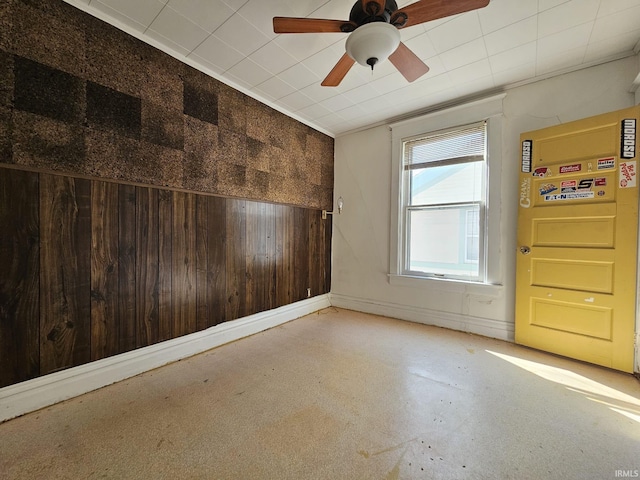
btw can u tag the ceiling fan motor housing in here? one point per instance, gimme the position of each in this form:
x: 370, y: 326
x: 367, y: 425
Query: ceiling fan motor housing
x: 370, y: 13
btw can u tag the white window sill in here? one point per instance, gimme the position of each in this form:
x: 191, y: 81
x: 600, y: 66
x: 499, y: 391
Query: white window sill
x: 446, y: 285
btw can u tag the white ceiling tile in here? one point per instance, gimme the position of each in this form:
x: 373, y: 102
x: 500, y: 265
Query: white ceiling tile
x: 512, y: 36
x: 502, y: 13
x: 572, y: 38
x: 205, y: 65
x: 408, y: 93
x: 299, y: 76
x: 609, y: 7
x: 302, y: 45
x: 333, y: 120
x: 612, y: 46
x: 333, y: 9
x: 237, y: 82
x: 248, y: 70
x: 613, y: 25
x: 482, y: 84
x: 559, y: 61
x: 299, y: 8
x: 353, y: 112
x: 296, y: 101
x: 323, y: 61
x: 242, y: 35
x: 260, y: 15
x: 464, y: 54
x: 428, y: 26
x: 409, y: 33
x: 439, y: 97
x: 218, y: 53
x: 274, y: 88
x: 362, y: 93
x: 314, y: 111
x: 167, y: 43
x: 436, y: 83
x: 141, y: 11
x: 462, y: 29
x: 181, y: 31
x: 388, y: 83
x: 273, y: 58
x: 549, y: 4
x: 235, y: 5
x: 436, y: 67
x: 422, y: 46
x: 567, y: 15
x: 355, y: 78
x: 470, y: 72
x: 208, y: 14
x: 337, y: 103
x: 515, y: 75
x: 118, y: 17
x: 522, y: 55
x: 317, y: 92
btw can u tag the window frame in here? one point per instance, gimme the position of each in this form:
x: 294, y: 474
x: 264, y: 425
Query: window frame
x: 408, y: 207
x: 490, y: 110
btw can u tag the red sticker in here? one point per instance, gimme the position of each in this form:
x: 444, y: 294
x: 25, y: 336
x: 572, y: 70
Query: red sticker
x: 542, y: 172
x: 571, y: 168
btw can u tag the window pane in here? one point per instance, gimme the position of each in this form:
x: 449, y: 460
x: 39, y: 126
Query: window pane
x: 440, y: 241
x: 472, y: 248
x: 447, y: 184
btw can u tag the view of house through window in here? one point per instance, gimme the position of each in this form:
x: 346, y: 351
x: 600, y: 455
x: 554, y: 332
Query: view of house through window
x: 445, y: 187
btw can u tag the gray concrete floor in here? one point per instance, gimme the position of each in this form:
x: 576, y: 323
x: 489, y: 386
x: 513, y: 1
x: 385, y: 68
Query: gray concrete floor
x: 342, y: 395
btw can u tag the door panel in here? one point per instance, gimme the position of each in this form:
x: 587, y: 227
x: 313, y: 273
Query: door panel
x: 588, y: 231
x: 594, y: 141
x: 591, y: 321
x: 594, y: 276
x: 577, y: 239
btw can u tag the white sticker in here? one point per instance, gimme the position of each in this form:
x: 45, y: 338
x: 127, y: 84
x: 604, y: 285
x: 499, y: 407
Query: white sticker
x: 559, y: 197
x: 628, y: 174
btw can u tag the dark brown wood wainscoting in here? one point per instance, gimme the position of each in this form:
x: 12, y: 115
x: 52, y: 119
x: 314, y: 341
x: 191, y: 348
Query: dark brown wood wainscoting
x: 91, y: 269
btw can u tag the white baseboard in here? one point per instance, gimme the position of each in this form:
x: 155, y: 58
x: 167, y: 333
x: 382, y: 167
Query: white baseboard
x: 464, y: 323
x: 24, y: 397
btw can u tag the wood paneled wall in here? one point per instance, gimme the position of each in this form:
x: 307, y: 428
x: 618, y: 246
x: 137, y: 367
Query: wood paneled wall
x: 92, y: 268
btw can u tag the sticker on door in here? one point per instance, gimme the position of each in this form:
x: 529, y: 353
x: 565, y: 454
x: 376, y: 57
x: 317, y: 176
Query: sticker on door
x: 628, y: 174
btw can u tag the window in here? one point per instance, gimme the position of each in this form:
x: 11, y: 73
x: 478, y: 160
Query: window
x: 444, y: 182
x: 446, y: 209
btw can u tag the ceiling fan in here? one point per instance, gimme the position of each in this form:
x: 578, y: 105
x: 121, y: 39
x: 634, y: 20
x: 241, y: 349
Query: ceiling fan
x: 373, y: 33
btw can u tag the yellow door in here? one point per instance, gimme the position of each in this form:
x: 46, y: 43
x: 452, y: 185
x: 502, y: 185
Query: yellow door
x: 577, y: 239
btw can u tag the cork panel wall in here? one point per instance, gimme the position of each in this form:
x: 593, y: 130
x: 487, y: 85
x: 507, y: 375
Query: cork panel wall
x: 93, y: 268
x: 79, y: 96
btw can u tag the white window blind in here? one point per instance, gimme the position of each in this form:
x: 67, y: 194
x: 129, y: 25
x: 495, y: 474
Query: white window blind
x: 455, y: 146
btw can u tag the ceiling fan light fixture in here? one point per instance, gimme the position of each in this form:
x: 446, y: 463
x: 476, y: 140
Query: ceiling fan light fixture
x: 372, y: 43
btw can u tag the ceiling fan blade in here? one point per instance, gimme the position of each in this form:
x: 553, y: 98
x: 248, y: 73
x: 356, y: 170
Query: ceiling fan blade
x: 308, y: 25
x: 339, y: 71
x: 373, y: 7
x: 408, y: 63
x: 427, y: 10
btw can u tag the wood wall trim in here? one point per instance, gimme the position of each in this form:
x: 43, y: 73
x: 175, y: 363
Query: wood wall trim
x: 95, y: 268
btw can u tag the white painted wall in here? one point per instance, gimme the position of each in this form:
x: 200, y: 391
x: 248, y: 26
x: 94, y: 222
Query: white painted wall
x: 361, y: 235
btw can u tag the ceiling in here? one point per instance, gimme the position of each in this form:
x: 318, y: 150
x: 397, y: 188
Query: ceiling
x: 506, y: 43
